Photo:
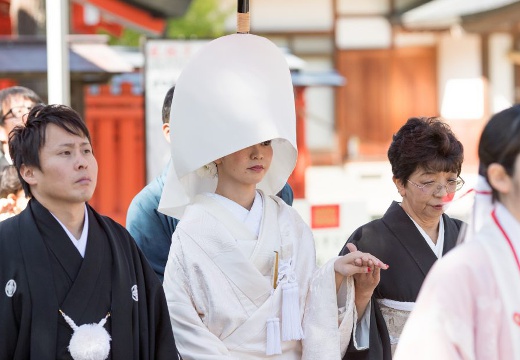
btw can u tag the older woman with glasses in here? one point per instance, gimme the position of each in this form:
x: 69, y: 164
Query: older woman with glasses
x: 469, y: 306
x: 15, y: 102
x: 426, y: 160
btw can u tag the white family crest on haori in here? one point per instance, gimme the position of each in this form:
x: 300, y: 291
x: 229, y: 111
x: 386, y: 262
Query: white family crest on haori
x: 89, y: 341
x: 10, y: 288
x: 236, y: 92
x: 135, y: 294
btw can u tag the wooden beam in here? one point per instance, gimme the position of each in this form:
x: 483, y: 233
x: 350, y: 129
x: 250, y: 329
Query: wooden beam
x: 505, y: 18
x: 129, y: 15
x: 484, y: 55
x: 398, y: 10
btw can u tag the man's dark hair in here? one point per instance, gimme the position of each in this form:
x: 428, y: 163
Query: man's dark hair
x: 14, y: 91
x: 167, y: 105
x: 25, y: 142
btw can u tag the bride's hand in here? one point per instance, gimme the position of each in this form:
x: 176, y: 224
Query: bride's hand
x: 356, y: 262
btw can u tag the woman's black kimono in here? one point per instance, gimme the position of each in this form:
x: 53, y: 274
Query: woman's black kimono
x: 395, y: 240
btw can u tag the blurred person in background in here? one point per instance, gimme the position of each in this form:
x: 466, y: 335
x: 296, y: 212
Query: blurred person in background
x: 469, y: 306
x: 12, y: 196
x: 426, y: 160
x: 15, y: 102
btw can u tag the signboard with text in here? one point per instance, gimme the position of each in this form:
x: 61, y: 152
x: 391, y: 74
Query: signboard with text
x: 164, y: 61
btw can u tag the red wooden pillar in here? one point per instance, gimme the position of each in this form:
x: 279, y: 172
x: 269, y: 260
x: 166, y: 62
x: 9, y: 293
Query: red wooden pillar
x: 5, y: 19
x: 116, y: 124
x: 297, y: 178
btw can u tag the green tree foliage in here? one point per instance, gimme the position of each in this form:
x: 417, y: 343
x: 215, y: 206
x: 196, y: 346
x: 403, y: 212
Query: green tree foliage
x: 130, y: 37
x: 204, y: 20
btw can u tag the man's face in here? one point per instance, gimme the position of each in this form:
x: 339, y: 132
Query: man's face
x: 13, y: 109
x: 68, y: 172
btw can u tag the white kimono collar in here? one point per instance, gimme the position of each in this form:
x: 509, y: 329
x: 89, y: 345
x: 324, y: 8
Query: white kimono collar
x: 504, y: 265
x: 252, y: 219
x: 436, y: 247
x: 510, y: 224
x: 243, y: 272
x: 81, y: 243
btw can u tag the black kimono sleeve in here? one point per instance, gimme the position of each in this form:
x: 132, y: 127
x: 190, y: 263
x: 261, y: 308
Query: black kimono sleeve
x: 379, y: 339
x: 25, y: 329
x: 161, y: 340
x: 14, y: 331
x: 153, y: 338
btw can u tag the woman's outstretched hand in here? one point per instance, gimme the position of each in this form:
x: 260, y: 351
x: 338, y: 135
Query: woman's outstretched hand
x: 357, y: 262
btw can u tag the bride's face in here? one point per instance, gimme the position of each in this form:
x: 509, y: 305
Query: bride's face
x: 245, y: 167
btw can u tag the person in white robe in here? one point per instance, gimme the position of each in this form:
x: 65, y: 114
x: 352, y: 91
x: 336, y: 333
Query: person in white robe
x: 241, y: 278
x: 469, y: 306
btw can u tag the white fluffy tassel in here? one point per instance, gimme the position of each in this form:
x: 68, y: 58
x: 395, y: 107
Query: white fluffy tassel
x: 274, y: 345
x: 291, y: 323
x: 89, y: 341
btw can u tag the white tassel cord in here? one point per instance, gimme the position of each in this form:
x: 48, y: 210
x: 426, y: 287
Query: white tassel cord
x: 291, y: 323
x: 273, y: 340
x: 69, y: 321
x: 89, y: 341
x: 274, y: 346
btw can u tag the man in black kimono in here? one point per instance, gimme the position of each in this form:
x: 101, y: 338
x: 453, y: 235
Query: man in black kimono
x: 60, y: 257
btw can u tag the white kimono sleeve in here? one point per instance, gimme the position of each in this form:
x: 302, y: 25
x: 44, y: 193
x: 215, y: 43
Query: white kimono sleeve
x: 194, y: 340
x: 326, y: 335
x: 362, y: 332
x: 444, y: 321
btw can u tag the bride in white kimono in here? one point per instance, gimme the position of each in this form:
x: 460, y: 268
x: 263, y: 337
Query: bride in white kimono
x: 241, y: 280
x: 469, y: 306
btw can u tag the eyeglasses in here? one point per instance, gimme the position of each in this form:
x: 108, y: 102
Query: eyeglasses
x: 433, y: 187
x: 17, y: 113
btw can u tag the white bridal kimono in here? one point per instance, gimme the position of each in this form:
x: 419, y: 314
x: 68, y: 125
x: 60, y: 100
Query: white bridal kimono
x: 220, y: 298
x: 469, y: 306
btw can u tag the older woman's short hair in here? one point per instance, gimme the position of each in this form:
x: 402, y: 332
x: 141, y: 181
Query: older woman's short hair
x: 426, y: 143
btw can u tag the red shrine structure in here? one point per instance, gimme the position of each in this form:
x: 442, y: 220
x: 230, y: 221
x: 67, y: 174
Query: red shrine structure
x: 113, y: 106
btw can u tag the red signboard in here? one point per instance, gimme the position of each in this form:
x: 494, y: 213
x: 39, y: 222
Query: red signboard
x: 324, y: 216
